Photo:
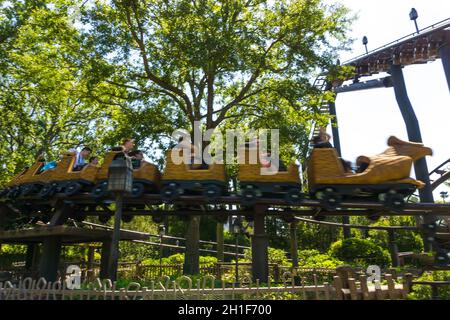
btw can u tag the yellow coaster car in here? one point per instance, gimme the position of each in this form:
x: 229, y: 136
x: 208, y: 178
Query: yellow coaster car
x: 179, y: 177
x: 385, y: 176
x: 35, y: 181
x: 265, y: 180
x: 146, y: 177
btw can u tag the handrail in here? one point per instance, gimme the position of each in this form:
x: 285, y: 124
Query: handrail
x: 445, y: 23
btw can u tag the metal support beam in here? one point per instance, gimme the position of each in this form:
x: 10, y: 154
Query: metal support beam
x: 260, y: 244
x: 393, y: 248
x: 337, y: 146
x: 413, y: 130
x: 51, y: 252
x: 444, y: 53
x: 385, y: 82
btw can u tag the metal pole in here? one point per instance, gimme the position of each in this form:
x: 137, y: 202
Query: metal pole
x: 160, y: 254
x: 237, y: 261
x: 114, y: 253
x: 444, y: 53
x: 413, y: 130
x: 393, y: 248
x: 417, y: 27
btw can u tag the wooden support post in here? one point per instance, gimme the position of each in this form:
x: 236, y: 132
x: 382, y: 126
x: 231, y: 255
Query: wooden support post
x: 113, y: 258
x: 393, y: 248
x: 106, y: 248
x: 364, y: 288
x: 220, y: 243
x: 191, y: 256
x: 31, y: 254
x: 51, y: 252
x: 51, y: 247
x: 260, y: 244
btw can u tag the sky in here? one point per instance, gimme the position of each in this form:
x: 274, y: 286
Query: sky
x: 367, y: 118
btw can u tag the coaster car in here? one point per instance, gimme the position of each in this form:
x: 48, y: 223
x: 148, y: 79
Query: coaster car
x: 62, y: 178
x: 182, y: 178
x: 28, y: 176
x: 258, y: 180
x: 385, y: 177
x: 146, y: 177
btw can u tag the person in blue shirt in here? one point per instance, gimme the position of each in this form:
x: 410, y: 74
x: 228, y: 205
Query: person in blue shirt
x: 81, y: 158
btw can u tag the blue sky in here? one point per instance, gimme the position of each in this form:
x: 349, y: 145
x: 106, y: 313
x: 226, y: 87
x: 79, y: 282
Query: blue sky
x: 367, y: 118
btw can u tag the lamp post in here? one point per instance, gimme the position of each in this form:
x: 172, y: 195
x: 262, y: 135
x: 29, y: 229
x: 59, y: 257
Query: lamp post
x: 236, y: 231
x: 365, y: 41
x: 120, y: 181
x: 444, y: 195
x: 161, y: 232
x: 413, y: 15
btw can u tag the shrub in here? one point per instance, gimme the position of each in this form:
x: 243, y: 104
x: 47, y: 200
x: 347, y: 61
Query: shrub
x: 277, y: 256
x: 315, y: 259
x: 361, y: 252
x: 422, y: 292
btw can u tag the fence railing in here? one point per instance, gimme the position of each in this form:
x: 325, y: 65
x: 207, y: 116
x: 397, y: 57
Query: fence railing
x: 183, y: 288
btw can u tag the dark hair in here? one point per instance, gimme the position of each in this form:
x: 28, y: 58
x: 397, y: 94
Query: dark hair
x: 316, y: 139
x: 92, y: 159
x: 134, y: 153
x: 86, y: 149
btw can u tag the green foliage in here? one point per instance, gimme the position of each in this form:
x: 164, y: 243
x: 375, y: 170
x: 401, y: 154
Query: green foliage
x: 315, y: 259
x: 178, y: 258
x: 361, y: 252
x: 423, y: 292
x: 277, y: 256
x: 406, y: 240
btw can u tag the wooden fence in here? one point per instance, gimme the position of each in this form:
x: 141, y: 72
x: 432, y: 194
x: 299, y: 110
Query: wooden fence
x: 183, y: 288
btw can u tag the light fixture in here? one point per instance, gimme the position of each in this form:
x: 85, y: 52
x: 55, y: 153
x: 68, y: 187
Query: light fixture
x: 413, y: 15
x: 365, y: 41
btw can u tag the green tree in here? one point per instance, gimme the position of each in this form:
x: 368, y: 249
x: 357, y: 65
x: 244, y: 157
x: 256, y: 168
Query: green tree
x: 359, y: 252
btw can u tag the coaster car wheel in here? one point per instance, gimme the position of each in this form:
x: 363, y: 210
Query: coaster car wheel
x: 4, y: 192
x: 72, y: 188
x: 249, y: 195
x: 137, y: 190
x: 47, y: 190
x: 329, y: 198
x: 293, y: 197
x: 393, y: 200
x: 30, y: 189
x: 170, y: 193
x: 100, y: 190
x: 14, y: 192
x: 212, y: 192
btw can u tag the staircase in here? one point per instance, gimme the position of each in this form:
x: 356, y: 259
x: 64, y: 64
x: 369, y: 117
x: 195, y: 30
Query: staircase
x: 440, y: 174
x: 321, y: 84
